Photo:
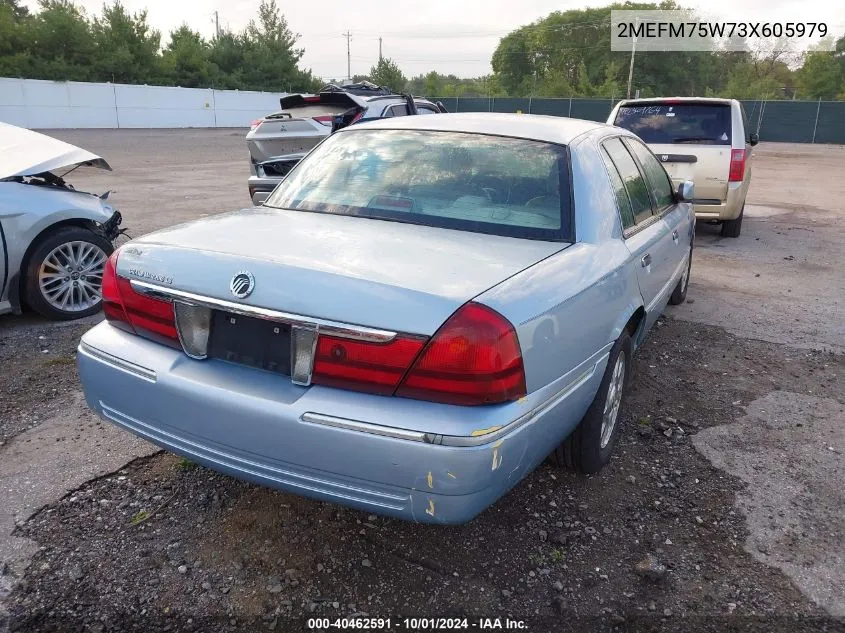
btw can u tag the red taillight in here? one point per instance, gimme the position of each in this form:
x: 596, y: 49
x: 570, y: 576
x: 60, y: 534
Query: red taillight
x: 474, y: 358
x: 112, y: 305
x: 363, y: 365
x: 122, y: 305
x: 255, y: 123
x: 737, y: 172
x: 325, y: 119
x: 357, y: 117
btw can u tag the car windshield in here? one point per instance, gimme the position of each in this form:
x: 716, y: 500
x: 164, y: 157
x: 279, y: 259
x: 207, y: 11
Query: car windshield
x: 667, y: 123
x: 474, y: 182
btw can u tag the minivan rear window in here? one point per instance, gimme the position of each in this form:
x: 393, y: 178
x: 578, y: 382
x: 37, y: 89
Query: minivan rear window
x: 678, y: 123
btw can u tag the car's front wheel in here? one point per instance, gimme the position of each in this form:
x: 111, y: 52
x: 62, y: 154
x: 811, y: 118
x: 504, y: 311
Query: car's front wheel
x: 64, y: 273
x: 589, y: 446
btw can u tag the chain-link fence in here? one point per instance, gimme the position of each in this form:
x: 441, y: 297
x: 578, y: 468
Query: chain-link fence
x: 787, y: 121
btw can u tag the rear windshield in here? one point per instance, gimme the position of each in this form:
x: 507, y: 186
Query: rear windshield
x: 697, y: 123
x: 472, y: 182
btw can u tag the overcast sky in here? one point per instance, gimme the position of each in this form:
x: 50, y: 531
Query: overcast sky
x: 450, y: 36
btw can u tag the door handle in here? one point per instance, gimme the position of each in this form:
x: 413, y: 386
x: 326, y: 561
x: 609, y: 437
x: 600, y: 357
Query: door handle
x: 646, y: 260
x: 675, y: 235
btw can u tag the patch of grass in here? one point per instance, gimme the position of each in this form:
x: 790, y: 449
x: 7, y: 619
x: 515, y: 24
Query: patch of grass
x: 139, y: 517
x: 59, y: 360
x: 557, y: 554
x: 186, y: 465
x: 537, y: 559
x: 644, y: 421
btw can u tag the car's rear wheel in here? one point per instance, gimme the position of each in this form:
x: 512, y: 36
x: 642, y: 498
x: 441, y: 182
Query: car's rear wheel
x: 64, y: 273
x: 679, y: 294
x: 732, y: 228
x: 589, y: 446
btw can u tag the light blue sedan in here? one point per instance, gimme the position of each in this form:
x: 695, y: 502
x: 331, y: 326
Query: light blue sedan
x: 423, y: 311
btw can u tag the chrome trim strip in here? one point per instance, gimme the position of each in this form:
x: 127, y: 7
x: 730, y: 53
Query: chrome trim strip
x: 125, y: 366
x: 556, y: 398
x: 363, y: 427
x: 334, y: 328
x: 455, y: 440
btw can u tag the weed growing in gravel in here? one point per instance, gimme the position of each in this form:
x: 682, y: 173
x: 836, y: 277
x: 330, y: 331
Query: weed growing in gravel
x: 186, y: 464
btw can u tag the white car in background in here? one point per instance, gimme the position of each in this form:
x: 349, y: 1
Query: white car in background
x: 279, y: 140
x: 54, y: 240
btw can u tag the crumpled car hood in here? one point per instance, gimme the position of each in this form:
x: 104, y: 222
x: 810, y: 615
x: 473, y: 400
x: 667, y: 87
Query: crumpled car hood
x: 27, y: 153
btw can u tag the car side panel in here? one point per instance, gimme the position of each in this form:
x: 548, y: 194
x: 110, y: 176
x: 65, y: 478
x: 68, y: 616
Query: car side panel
x: 567, y: 307
x: 573, y: 304
x: 27, y: 210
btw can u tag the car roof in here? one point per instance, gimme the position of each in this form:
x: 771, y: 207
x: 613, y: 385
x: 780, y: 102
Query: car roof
x: 537, y: 127
x: 677, y: 100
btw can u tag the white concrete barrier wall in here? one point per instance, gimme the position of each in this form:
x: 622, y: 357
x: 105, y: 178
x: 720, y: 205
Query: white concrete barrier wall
x: 36, y: 103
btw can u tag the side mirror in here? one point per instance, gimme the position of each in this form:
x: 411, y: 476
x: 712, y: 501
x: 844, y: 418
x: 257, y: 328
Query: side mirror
x: 686, y: 191
x: 753, y: 139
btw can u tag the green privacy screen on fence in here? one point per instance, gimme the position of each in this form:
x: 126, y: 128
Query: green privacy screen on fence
x: 785, y: 121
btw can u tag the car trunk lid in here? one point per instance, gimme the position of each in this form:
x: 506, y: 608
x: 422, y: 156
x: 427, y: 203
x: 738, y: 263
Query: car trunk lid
x: 367, y: 272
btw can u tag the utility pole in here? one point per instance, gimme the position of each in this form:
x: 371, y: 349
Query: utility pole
x: 379, y: 49
x: 216, y: 24
x: 348, y: 36
x: 631, y: 67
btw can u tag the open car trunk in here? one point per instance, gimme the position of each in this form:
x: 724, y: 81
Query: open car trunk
x: 303, y: 122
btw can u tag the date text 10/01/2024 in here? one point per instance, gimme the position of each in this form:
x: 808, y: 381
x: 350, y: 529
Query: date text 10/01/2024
x: 415, y: 624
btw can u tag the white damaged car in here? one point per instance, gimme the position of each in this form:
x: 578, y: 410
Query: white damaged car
x: 54, y: 240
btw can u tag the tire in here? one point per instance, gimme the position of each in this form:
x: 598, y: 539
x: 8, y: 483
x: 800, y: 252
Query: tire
x: 42, y: 285
x: 732, y: 228
x: 582, y: 451
x: 679, y: 294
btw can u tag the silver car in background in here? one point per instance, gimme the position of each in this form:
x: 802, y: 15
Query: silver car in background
x: 423, y: 311
x: 54, y: 240
x: 278, y: 141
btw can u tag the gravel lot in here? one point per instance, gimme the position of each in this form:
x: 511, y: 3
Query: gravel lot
x: 723, y: 507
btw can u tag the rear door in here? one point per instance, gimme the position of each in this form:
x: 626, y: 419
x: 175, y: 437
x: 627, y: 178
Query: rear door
x: 691, y: 138
x: 644, y: 232
x: 676, y: 219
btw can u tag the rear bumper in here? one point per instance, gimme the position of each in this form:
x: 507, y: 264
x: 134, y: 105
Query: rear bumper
x: 727, y: 209
x: 249, y: 424
x: 260, y: 188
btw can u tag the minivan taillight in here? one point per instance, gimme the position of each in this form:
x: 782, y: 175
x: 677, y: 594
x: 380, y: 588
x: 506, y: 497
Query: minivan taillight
x: 132, y: 311
x: 473, y: 359
x: 737, y: 171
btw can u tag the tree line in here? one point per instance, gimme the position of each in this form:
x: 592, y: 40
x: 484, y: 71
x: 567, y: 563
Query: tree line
x: 60, y: 41
x: 565, y: 54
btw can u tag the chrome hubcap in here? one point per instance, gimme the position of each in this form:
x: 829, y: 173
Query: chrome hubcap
x: 613, y: 401
x: 71, y: 275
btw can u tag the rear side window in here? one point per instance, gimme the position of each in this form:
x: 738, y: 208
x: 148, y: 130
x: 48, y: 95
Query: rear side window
x: 634, y: 183
x: 661, y: 186
x: 622, y: 200
x: 678, y: 123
